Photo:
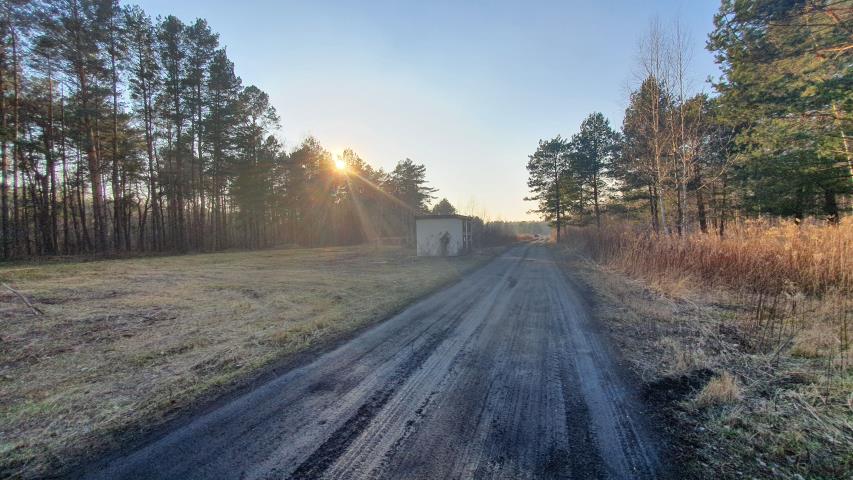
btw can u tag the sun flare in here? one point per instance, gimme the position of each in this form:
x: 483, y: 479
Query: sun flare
x: 340, y: 164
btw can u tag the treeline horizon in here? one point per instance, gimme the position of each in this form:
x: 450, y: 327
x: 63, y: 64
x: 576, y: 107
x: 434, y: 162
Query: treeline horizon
x: 773, y: 140
x: 123, y: 133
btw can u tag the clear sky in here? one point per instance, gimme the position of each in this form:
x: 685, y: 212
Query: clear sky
x: 465, y: 87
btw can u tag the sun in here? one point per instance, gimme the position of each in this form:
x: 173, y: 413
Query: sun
x: 340, y: 164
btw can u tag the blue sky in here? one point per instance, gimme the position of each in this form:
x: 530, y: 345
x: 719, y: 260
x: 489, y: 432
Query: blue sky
x: 465, y: 87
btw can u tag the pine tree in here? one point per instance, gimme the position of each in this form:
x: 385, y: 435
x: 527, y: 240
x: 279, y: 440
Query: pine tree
x: 443, y: 207
x: 219, y: 127
x: 549, y: 180
x: 593, y: 150
x: 202, y: 44
x: 786, y: 75
x: 172, y: 49
x: 642, y: 161
x: 121, y: 134
x: 144, y: 84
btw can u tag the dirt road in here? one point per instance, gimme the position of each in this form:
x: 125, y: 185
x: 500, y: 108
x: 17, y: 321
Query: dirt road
x: 499, y: 376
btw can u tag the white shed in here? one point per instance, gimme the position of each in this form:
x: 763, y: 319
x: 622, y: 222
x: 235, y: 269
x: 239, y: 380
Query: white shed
x: 442, y: 235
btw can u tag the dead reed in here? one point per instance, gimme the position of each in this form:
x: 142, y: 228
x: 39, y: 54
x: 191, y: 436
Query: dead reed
x: 795, y: 278
x: 758, y: 256
x: 766, y: 309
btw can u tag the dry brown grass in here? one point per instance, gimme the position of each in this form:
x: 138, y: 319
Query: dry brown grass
x: 796, y: 278
x: 819, y: 341
x: 682, y: 359
x: 723, y: 389
x: 757, y: 256
x: 129, y: 342
x: 751, y: 358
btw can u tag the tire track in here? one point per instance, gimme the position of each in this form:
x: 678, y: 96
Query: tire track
x: 374, y: 444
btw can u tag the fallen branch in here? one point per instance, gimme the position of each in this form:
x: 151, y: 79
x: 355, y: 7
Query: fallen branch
x: 35, y: 309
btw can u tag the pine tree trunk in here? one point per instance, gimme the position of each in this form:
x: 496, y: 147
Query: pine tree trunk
x: 62, y: 132
x: 52, y: 244
x: 180, y: 235
x: 16, y: 147
x: 202, y: 213
x: 91, y: 146
x: 4, y: 166
x: 557, y: 196
x: 81, y: 205
x: 118, y: 200
x: 153, y: 193
x: 97, y: 189
x: 595, y: 201
x: 830, y: 206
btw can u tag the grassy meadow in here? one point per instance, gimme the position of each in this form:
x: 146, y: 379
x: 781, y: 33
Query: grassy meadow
x: 123, y: 345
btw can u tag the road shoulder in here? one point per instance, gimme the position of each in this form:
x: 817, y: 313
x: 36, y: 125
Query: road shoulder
x: 683, y: 345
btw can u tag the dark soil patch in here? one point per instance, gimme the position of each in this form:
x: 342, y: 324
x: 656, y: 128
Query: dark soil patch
x: 686, y: 434
x: 668, y: 391
x: 253, y: 294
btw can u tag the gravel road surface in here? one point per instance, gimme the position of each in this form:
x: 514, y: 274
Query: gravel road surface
x: 502, y: 375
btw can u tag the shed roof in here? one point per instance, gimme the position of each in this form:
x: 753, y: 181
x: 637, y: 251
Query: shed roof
x: 431, y: 216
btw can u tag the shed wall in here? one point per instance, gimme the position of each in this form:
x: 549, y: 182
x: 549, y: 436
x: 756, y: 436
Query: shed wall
x: 429, y: 232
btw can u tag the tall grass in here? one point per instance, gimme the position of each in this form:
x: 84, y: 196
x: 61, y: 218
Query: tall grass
x: 795, y: 278
x: 756, y: 256
x: 767, y: 307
